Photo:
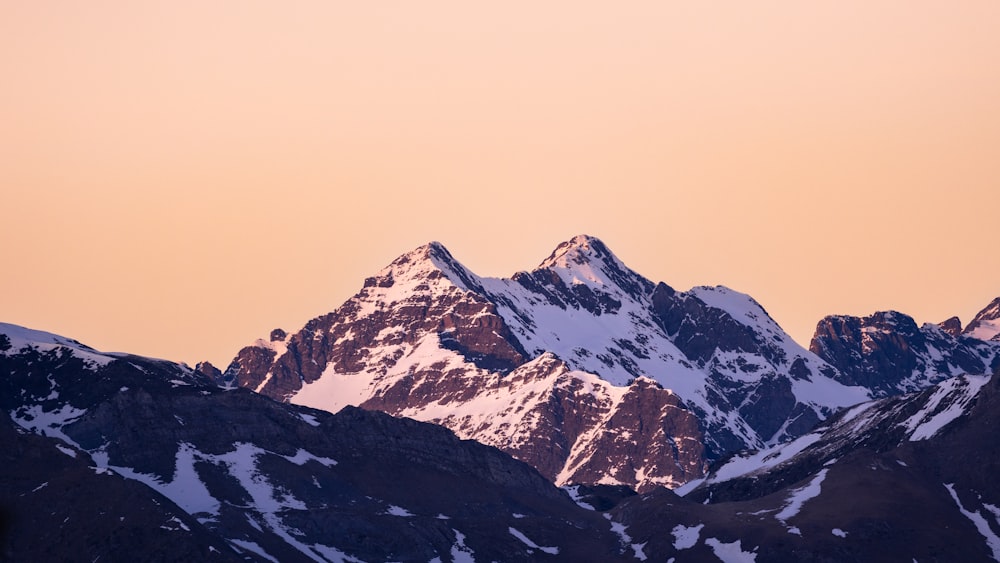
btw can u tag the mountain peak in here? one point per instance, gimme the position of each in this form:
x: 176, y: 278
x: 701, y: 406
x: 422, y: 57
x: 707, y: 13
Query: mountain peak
x: 427, y: 262
x: 986, y: 324
x: 952, y: 326
x: 580, y: 250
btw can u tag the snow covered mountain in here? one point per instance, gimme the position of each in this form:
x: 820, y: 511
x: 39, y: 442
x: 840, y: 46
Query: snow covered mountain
x: 116, y: 456
x: 119, y: 457
x: 580, y: 367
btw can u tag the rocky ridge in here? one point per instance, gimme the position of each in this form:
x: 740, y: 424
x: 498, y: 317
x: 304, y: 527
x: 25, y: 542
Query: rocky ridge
x: 889, y: 354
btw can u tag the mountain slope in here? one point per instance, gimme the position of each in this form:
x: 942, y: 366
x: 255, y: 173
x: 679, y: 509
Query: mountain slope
x: 905, y: 478
x: 986, y: 324
x: 580, y: 355
x: 169, y: 461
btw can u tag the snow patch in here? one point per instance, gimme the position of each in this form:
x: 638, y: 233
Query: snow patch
x: 957, y: 393
x: 799, y: 497
x: 685, y: 537
x: 461, y: 553
x: 186, y: 489
x: 309, y: 419
x: 302, y: 456
x: 574, y: 493
x: 394, y: 510
x: 253, y: 548
x: 37, y: 420
x: 730, y: 552
x: 524, y: 539
x: 992, y: 541
x: 335, y: 555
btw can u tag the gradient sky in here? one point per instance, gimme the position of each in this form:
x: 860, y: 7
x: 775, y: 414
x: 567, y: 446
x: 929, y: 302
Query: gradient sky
x: 178, y: 178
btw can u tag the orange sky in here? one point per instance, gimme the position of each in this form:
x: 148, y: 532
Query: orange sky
x: 180, y: 177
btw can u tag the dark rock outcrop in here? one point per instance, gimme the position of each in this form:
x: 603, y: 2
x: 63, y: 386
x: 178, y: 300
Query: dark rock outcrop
x: 888, y: 353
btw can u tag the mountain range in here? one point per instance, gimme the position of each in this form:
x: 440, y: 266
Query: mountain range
x: 590, y: 372
x: 577, y: 412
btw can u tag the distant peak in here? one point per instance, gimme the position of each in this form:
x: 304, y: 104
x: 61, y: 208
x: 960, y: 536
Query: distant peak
x: 952, y: 326
x: 991, y: 312
x: 986, y: 324
x: 580, y: 249
x: 432, y: 252
x: 425, y: 262
x: 585, y: 261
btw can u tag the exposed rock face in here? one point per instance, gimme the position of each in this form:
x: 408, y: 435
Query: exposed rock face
x: 542, y: 365
x: 137, y: 459
x: 952, y: 326
x: 887, y: 353
x: 207, y: 370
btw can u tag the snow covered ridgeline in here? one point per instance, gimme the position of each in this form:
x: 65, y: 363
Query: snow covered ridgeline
x: 427, y: 338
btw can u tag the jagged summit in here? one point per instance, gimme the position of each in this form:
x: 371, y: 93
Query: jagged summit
x: 423, y: 265
x: 952, y: 326
x: 584, y: 265
x: 579, y: 250
x: 986, y: 324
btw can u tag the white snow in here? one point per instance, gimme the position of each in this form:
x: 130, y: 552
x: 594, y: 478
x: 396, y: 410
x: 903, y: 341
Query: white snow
x: 394, y: 510
x: 839, y: 533
x: 334, y: 391
x: 574, y: 493
x: 37, y: 420
x: 685, y: 537
x: 253, y: 548
x: 746, y: 464
x: 334, y: 554
x: 987, y: 329
x: 958, y: 391
x: 637, y: 550
x: 460, y: 553
x: 185, y: 488
x: 730, y: 552
x: 686, y: 488
x: 310, y: 419
x: 524, y: 539
x: 20, y: 337
x: 302, y: 456
x: 799, y: 497
x: 68, y: 451
x: 992, y: 540
x: 619, y: 530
